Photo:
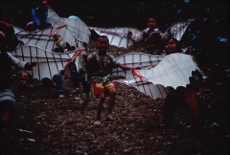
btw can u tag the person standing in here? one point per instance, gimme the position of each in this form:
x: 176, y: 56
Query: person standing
x: 99, y: 68
x: 153, y: 38
x: 182, y: 96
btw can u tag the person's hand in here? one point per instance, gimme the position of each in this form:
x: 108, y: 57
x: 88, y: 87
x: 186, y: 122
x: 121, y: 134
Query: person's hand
x: 30, y: 65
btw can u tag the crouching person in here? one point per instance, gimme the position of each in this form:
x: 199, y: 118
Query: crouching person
x: 8, y: 43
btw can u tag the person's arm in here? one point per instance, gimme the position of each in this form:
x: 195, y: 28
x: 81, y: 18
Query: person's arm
x: 90, y: 63
x: 124, y: 67
x: 16, y: 61
x: 21, y: 64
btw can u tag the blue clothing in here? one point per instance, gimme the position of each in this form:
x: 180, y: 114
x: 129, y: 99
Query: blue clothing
x: 39, y: 17
x: 7, y: 95
x: 57, y: 78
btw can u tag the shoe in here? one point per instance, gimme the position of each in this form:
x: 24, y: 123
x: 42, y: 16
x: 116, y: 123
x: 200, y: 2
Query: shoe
x: 97, y: 123
x: 67, y: 46
x: 72, y: 48
x: 61, y: 96
x: 58, y: 50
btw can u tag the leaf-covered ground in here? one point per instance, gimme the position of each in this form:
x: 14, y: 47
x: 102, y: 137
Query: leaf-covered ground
x: 44, y: 124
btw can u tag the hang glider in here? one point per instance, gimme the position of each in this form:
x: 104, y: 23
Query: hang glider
x: 166, y: 73
x: 48, y: 63
x: 136, y: 59
x: 177, y: 29
x: 74, y: 27
x: 39, y: 45
x: 154, y: 78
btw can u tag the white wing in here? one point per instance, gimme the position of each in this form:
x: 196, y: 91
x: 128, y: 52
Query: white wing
x: 48, y: 63
x: 38, y: 45
x: 172, y: 71
x: 177, y: 29
x: 73, y: 27
x: 136, y: 59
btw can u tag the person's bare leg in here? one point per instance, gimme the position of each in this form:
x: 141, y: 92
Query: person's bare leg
x: 112, y: 94
x: 99, y: 106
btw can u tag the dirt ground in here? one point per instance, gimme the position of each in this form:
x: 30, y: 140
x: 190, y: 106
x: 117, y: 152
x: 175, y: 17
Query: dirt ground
x: 44, y: 124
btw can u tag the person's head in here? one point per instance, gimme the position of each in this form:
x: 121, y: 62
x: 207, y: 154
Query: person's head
x: 102, y: 43
x: 152, y: 23
x: 8, y: 40
x: 172, y: 46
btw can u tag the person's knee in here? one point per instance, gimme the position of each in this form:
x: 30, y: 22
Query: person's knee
x: 102, y: 97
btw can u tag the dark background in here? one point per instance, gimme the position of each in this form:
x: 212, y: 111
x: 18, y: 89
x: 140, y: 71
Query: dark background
x: 122, y: 13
